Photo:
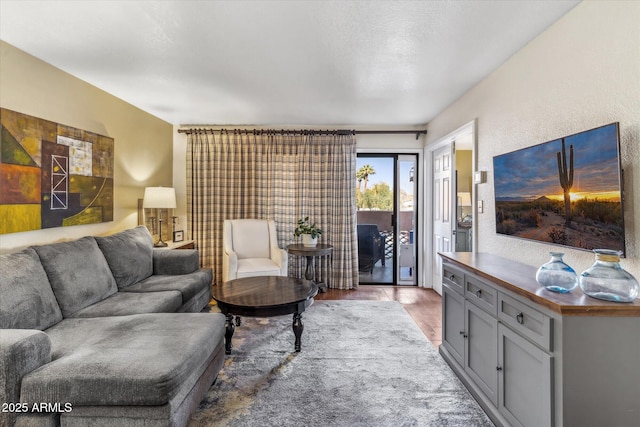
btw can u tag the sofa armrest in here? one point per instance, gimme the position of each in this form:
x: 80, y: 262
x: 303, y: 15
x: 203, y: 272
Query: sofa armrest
x: 174, y: 262
x: 21, y: 351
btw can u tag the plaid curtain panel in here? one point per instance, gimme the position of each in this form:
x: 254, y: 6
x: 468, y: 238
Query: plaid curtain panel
x: 282, y: 176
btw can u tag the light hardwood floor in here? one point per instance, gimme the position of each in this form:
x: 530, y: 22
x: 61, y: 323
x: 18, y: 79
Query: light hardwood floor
x: 424, y: 305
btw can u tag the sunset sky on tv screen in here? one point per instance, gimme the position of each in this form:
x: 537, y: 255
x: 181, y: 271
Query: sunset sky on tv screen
x: 531, y: 173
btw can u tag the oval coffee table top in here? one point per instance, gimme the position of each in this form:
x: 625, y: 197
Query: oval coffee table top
x: 264, y: 291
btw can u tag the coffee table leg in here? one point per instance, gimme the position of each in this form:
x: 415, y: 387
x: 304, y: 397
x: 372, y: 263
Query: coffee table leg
x: 298, y: 327
x: 230, y: 327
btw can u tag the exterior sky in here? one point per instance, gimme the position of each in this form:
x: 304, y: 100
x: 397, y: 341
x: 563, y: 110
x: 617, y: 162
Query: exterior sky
x: 532, y: 172
x: 384, y: 172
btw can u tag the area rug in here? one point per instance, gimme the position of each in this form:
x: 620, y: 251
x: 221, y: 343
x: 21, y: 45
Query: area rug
x: 363, y: 363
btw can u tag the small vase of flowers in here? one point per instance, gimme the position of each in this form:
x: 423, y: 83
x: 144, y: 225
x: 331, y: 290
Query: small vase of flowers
x: 309, y: 232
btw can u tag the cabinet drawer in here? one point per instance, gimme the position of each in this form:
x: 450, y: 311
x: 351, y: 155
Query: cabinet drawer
x: 526, y: 320
x: 481, y: 294
x: 454, y: 277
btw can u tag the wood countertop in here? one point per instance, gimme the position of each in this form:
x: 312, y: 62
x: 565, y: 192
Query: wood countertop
x: 520, y: 278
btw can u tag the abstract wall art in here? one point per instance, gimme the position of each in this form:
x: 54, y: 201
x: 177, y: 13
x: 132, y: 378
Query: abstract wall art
x: 52, y: 175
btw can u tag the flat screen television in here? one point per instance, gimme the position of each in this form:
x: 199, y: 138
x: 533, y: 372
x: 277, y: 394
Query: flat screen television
x: 566, y: 192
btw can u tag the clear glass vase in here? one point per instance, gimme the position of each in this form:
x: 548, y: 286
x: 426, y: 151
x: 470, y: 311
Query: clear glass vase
x: 556, y: 276
x: 606, y: 280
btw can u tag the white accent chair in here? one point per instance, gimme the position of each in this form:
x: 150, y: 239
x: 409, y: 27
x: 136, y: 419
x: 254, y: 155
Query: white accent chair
x: 251, y: 249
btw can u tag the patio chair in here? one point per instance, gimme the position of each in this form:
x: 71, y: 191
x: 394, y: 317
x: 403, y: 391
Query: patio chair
x: 370, y: 247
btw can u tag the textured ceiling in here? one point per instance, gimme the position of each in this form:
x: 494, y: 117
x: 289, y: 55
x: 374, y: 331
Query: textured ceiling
x: 384, y: 63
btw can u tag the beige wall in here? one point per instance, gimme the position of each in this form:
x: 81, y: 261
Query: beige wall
x: 464, y: 167
x: 583, y: 72
x: 143, y: 143
x: 390, y: 143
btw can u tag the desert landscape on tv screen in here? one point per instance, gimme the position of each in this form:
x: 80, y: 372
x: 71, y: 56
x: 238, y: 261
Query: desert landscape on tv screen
x: 565, y: 192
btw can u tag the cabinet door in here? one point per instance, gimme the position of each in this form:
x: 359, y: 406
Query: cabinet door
x: 526, y: 378
x: 462, y: 240
x: 481, y: 350
x: 453, y: 331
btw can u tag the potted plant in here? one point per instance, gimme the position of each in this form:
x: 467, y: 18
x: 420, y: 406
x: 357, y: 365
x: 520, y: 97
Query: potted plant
x: 308, y: 231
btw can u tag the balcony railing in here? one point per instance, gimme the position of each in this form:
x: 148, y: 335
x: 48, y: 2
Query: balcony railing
x: 390, y: 241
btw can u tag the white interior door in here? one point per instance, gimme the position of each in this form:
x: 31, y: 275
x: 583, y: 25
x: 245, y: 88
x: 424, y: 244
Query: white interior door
x: 443, y: 166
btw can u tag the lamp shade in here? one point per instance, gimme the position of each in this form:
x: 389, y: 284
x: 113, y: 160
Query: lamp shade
x: 159, y: 197
x: 465, y: 198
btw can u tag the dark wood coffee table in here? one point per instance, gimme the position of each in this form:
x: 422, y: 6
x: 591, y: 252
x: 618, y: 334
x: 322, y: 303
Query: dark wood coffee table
x: 264, y: 296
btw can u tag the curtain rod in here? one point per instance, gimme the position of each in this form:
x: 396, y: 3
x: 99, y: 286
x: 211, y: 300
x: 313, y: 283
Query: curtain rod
x: 312, y: 131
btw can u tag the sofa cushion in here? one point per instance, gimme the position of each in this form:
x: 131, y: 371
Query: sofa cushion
x: 250, y: 267
x: 26, y: 298
x: 126, y: 303
x: 188, y: 284
x: 142, y: 359
x: 129, y: 254
x: 78, y: 273
x: 183, y: 261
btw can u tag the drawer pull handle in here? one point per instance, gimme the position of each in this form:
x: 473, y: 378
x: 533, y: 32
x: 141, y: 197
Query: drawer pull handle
x: 520, y: 318
x: 452, y: 277
x: 479, y: 293
x: 498, y: 368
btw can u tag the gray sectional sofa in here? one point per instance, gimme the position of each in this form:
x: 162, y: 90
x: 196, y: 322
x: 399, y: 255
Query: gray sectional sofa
x: 105, y: 331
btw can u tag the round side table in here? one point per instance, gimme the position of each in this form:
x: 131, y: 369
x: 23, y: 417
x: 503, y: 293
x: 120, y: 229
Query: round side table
x: 310, y: 252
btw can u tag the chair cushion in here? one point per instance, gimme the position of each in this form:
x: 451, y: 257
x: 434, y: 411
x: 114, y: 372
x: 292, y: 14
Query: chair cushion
x: 142, y: 359
x: 251, y: 267
x: 250, y: 238
x: 126, y: 303
x: 78, y: 273
x: 129, y: 254
x: 26, y: 298
x: 189, y: 285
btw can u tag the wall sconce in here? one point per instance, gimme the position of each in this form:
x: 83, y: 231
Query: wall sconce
x: 159, y: 198
x: 479, y: 177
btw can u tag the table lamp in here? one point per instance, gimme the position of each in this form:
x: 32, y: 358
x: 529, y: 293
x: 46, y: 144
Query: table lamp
x: 464, y: 201
x: 159, y: 198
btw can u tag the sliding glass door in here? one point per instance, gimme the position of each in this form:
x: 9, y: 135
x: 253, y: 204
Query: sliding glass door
x: 407, y: 219
x: 386, y: 197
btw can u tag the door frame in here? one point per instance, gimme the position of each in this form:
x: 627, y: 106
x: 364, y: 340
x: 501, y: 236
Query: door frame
x: 427, y: 253
x: 419, y: 182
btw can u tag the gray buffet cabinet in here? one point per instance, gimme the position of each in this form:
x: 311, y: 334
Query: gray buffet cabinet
x: 536, y: 358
